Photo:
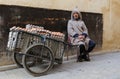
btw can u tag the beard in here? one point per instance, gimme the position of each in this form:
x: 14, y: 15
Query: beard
x: 77, y: 18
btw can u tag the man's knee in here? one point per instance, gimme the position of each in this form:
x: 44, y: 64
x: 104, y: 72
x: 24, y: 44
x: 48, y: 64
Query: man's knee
x: 92, y: 44
x: 82, y: 46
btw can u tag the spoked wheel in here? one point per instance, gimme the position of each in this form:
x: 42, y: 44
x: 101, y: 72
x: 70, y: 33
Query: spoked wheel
x: 42, y: 58
x: 18, y: 59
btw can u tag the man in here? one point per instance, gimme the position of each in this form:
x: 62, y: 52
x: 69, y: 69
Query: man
x: 78, y: 35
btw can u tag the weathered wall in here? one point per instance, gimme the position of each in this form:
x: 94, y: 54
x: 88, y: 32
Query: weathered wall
x: 111, y: 34
x: 115, y: 22
x: 109, y: 9
x: 84, y: 5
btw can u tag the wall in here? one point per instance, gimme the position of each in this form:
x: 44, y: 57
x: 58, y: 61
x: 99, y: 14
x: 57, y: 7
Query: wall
x: 109, y: 9
x: 115, y: 20
x: 84, y: 5
x: 112, y: 31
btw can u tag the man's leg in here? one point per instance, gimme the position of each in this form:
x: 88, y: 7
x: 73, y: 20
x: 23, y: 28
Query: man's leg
x: 82, y: 50
x: 91, y: 46
x: 86, y: 57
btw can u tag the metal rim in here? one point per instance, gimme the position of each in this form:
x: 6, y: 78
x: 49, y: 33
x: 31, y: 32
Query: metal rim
x: 40, y: 52
x: 18, y: 59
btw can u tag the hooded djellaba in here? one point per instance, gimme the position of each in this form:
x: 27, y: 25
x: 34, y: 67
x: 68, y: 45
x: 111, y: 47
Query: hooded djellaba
x: 77, y: 27
x: 76, y: 30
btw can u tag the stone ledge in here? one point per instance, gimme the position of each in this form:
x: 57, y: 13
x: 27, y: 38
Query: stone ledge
x: 8, y: 67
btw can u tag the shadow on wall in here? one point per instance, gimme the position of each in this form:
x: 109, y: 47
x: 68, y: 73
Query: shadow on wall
x: 54, y: 20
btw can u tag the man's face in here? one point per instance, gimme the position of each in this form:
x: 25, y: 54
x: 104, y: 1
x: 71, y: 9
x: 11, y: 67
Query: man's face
x: 76, y: 15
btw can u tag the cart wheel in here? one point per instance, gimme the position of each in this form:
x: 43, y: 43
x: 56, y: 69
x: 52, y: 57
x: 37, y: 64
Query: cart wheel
x: 42, y: 58
x: 18, y: 59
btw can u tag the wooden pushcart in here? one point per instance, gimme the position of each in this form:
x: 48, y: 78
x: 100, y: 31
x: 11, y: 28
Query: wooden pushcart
x: 34, y: 52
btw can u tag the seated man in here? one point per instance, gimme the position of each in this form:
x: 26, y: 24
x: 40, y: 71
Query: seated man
x: 78, y: 34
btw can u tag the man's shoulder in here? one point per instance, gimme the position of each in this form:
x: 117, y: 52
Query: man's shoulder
x: 70, y: 20
x: 81, y: 21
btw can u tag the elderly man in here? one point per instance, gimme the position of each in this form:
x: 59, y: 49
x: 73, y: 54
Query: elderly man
x: 78, y: 35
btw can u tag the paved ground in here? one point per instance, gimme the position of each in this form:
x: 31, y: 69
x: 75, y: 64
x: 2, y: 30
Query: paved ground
x: 105, y: 66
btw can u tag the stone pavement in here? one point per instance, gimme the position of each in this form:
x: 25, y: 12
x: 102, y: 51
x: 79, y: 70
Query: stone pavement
x: 103, y: 66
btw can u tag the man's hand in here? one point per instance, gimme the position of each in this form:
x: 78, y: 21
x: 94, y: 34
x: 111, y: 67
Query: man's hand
x: 81, y: 37
x: 84, y: 34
